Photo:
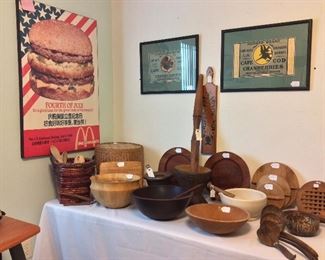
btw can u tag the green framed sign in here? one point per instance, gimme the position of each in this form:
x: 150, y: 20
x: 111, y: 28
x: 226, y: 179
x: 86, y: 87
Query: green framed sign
x: 169, y: 65
x: 273, y: 57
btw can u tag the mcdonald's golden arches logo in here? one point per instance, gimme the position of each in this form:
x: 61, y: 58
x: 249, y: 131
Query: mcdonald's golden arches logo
x: 86, y: 141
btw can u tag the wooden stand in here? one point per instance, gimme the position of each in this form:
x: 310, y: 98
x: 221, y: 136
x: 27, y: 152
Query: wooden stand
x: 12, y: 233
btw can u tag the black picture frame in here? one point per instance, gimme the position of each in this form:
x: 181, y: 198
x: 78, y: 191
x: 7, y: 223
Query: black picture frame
x: 272, y: 57
x: 169, y: 65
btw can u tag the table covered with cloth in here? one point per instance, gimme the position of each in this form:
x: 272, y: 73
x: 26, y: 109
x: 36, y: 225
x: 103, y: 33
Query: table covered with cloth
x: 94, y: 232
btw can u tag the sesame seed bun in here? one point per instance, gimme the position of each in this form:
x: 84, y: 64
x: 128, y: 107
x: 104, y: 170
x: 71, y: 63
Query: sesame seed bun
x: 60, y: 36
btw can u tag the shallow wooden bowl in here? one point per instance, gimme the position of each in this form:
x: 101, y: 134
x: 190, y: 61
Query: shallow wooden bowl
x: 216, y: 218
x: 114, y: 190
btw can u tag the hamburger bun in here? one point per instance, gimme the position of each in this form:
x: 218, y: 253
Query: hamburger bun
x: 61, y: 61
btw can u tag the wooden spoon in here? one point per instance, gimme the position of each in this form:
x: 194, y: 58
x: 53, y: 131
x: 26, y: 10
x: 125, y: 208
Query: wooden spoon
x: 75, y: 196
x: 64, y: 157
x: 268, y: 234
x: 188, y: 191
x: 227, y: 193
x: 56, y: 153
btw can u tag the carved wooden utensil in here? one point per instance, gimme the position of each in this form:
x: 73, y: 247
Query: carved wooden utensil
x: 299, y: 244
x: 208, y: 124
x: 56, y: 153
x: 195, y: 141
x: 217, y: 189
x: 268, y: 234
x: 274, y: 218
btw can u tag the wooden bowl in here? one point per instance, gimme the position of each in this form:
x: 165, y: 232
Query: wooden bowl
x: 159, y: 202
x: 216, y: 218
x: 161, y: 178
x: 114, y: 190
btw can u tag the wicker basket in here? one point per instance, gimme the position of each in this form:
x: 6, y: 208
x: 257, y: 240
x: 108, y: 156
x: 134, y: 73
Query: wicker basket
x: 119, y: 152
x: 72, y: 181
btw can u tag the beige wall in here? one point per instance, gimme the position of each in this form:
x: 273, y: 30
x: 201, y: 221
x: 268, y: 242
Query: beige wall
x: 259, y: 126
x: 25, y: 185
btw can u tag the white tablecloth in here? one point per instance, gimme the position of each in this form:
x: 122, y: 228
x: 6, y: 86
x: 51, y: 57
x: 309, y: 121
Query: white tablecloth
x: 94, y: 232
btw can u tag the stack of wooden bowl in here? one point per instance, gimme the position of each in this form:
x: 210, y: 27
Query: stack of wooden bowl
x: 278, y: 182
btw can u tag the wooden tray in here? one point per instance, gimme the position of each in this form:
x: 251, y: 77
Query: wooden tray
x: 228, y: 170
x: 173, y: 157
x: 279, y: 169
x: 311, y: 197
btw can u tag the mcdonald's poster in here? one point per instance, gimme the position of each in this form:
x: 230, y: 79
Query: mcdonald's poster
x: 57, y: 58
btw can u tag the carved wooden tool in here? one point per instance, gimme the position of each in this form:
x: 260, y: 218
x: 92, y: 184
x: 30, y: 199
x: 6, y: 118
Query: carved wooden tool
x: 195, y: 142
x: 269, y: 234
x: 209, y: 125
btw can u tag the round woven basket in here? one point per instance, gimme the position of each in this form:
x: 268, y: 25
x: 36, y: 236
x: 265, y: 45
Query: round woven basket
x: 119, y: 152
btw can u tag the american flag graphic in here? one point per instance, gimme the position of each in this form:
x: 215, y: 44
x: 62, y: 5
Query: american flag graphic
x: 26, y: 20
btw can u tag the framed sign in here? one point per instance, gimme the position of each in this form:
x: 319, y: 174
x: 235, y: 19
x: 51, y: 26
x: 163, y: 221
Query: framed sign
x: 170, y: 65
x: 57, y: 58
x: 270, y: 57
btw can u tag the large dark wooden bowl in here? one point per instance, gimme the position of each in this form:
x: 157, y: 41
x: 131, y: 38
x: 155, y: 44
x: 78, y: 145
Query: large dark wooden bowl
x: 159, y: 202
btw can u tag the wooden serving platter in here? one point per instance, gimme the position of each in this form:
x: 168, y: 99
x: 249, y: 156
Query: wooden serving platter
x: 173, y: 157
x: 311, y: 198
x: 279, y: 169
x: 228, y: 170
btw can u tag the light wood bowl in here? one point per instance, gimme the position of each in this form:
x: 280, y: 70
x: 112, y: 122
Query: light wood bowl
x: 114, y: 190
x: 216, y: 218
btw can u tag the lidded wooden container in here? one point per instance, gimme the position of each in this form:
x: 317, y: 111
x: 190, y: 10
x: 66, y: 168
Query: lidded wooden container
x: 119, y: 152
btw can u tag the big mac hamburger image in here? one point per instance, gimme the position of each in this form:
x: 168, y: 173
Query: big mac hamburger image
x: 61, y: 61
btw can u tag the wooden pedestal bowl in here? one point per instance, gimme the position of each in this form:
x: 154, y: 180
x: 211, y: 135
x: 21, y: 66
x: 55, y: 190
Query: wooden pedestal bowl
x: 114, y: 190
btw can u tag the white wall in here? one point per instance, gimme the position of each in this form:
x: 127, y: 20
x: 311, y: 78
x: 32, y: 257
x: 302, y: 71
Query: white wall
x: 25, y: 185
x: 259, y: 126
